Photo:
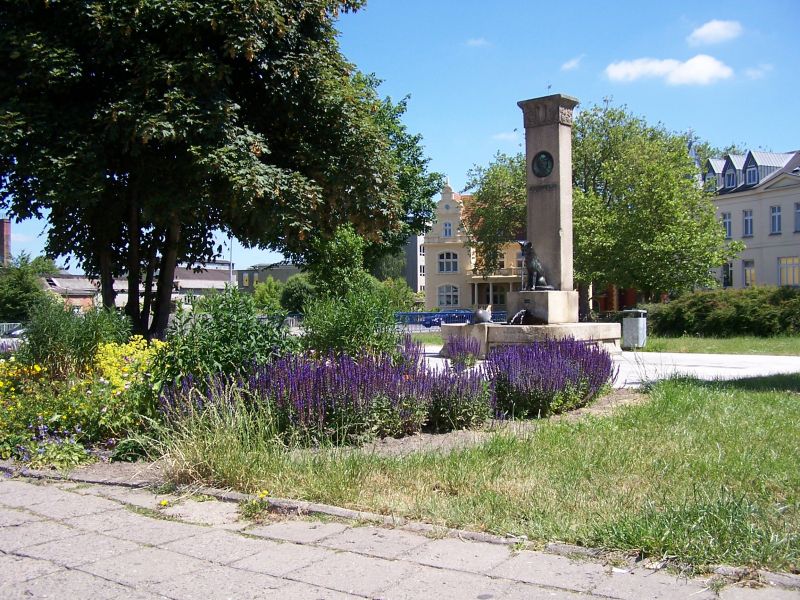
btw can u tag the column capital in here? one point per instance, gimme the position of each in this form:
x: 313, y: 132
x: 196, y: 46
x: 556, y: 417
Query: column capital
x: 548, y: 110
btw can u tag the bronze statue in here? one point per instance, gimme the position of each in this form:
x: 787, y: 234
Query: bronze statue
x: 534, y: 270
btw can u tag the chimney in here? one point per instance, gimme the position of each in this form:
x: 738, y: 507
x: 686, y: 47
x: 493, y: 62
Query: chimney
x: 5, y: 241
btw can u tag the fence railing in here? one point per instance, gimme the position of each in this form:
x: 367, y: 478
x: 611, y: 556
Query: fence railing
x: 6, y: 328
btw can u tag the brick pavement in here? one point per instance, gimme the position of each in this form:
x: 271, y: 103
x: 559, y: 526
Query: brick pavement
x: 67, y: 540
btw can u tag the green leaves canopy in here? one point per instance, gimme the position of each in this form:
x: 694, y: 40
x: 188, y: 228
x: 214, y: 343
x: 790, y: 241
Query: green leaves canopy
x: 139, y: 127
x: 640, y: 219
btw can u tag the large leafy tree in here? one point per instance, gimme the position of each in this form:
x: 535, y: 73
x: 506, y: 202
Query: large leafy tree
x: 141, y: 127
x: 20, y: 286
x: 497, y: 212
x: 640, y: 219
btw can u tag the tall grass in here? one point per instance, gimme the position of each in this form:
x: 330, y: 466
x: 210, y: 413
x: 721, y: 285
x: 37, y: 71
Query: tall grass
x: 704, y: 472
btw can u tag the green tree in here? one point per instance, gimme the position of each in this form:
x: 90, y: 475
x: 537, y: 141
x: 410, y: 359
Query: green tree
x: 497, y: 213
x: 140, y: 127
x: 640, y: 219
x: 297, y: 292
x: 398, y: 294
x: 267, y: 295
x: 21, y: 287
x: 389, y: 266
x: 338, y: 263
x: 417, y: 186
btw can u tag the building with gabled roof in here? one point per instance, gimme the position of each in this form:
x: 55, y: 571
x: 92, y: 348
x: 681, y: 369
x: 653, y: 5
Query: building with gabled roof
x: 758, y: 203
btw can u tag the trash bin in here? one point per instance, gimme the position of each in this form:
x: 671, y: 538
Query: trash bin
x: 634, y: 329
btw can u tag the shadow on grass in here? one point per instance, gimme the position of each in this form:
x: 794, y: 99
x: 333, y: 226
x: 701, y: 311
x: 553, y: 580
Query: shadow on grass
x: 789, y: 382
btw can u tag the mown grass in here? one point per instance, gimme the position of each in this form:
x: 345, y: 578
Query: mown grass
x: 433, y: 338
x: 703, y: 472
x: 781, y: 345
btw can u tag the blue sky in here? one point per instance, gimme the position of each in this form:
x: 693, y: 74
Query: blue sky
x: 728, y: 71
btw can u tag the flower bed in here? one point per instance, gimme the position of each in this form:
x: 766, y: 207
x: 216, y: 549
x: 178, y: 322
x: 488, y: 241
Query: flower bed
x: 543, y: 378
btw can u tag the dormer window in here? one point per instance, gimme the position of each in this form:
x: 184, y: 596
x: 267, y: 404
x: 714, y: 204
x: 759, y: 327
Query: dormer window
x: 730, y: 179
x: 752, y: 175
x: 447, y: 230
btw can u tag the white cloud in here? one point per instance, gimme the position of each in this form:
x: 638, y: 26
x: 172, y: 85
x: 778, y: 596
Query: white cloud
x: 699, y: 70
x: 506, y: 136
x: 758, y: 72
x: 572, y: 63
x: 715, y: 32
x: 478, y: 42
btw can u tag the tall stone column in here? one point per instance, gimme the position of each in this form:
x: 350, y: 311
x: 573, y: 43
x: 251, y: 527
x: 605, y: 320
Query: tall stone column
x: 548, y: 154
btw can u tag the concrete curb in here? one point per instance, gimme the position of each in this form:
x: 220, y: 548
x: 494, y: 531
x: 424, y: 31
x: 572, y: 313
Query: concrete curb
x: 301, y: 507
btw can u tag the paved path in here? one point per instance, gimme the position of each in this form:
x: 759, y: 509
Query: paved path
x: 636, y: 368
x: 82, y: 541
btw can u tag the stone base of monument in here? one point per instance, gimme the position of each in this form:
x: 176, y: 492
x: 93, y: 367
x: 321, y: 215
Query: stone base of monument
x: 491, y: 335
x: 552, y: 306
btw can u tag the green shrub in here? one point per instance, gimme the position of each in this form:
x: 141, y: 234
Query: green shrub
x: 759, y: 311
x: 337, y: 265
x: 267, y: 295
x: 297, y: 292
x: 399, y: 294
x: 64, y: 342
x: 227, y: 337
x: 362, y: 322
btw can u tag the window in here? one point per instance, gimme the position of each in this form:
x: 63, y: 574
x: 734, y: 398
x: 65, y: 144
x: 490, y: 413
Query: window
x: 789, y: 271
x: 747, y: 225
x: 422, y: 250
x: 726, y: 223
x: 245, y: 279
x: 422, y: 270
x: 501, y: 262
x: 422, y: 288
x: 448, y: 262
x: 497, y: 297
x: 447, y: 229
x: 752, y: 175
x: 774, y: 219
x: 797, y: 216
x: 730, y: 178
x: 749, y: 272
x: 727, y: 275
x: 520, y: 260
x: 255, y: 278
x: 448, y: 295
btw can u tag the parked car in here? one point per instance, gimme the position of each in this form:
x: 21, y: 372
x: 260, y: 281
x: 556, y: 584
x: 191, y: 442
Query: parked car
x: 459, y: 315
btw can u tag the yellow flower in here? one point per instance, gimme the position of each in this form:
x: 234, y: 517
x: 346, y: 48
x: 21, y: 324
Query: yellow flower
x: 164, y: 503
x: 262, y: 494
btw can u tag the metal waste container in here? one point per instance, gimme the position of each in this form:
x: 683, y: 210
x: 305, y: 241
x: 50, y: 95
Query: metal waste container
x: 634, y: 329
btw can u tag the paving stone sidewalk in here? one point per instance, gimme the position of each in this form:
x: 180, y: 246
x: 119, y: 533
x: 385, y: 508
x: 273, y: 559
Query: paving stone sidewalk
x: 68, y: 540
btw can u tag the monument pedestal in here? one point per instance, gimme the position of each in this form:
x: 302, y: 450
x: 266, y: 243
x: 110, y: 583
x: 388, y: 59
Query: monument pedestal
x: 549, y: 307
x: 491, y: 335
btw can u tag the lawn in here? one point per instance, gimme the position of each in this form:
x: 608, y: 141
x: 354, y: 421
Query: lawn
x: 703, y: 472
x: 432, y: 338
x: 781, y: 345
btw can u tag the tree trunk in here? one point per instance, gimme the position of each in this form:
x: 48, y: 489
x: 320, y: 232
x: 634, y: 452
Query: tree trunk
x: 134, y: 266
x: 106, y: 275
x: 144, y: 319
x: 165, y: 278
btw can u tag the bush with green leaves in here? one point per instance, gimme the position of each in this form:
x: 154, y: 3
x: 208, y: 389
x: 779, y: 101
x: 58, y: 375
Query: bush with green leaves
x: 226, y: 337
x: 267, y: 295
x: 297, y: 292
x: 759, y: 311
x: 399, y: 294
x: 64, y: 342
x: 337, y: 265
x: 20, y: 289
x: 360, y: 323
